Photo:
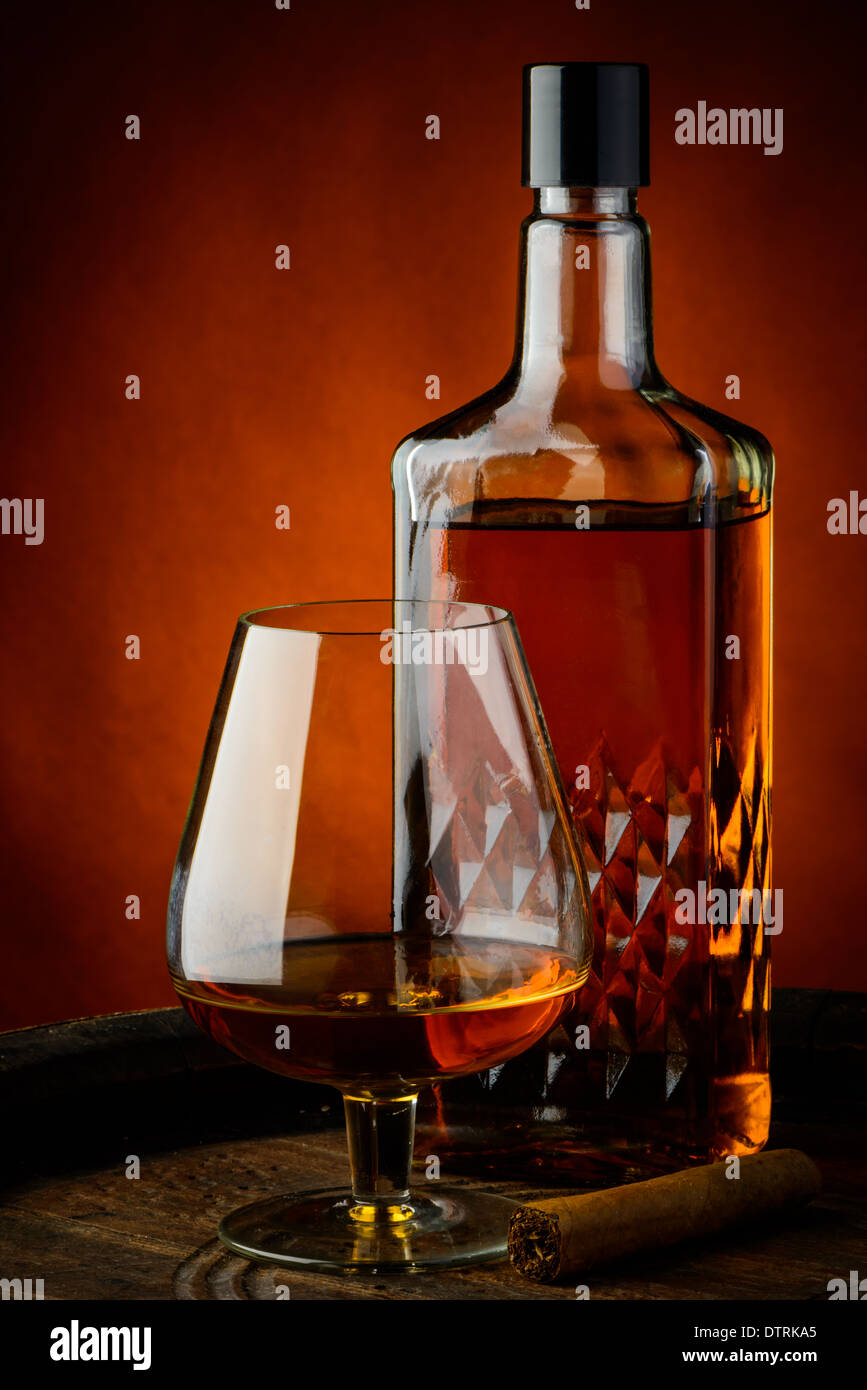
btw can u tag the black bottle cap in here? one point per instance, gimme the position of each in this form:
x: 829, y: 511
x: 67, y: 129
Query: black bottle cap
x: 586, y: 125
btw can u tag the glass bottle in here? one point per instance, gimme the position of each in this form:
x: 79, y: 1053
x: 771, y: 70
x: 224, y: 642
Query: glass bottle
x: 628, y: 528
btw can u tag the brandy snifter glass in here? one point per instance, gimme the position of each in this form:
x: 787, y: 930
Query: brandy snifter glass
x: 377, y: 887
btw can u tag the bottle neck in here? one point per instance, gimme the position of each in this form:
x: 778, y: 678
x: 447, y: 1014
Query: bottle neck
x: 585, y: 293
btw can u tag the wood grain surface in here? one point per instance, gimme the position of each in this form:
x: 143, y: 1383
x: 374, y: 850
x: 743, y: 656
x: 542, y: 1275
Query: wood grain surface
x: 213, y: 1134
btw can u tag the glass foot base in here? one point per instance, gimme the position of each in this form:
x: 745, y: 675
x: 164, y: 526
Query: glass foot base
x: 328, y: 1230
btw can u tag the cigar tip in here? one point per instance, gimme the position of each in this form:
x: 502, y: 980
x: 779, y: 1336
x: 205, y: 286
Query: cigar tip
x: 798, y: 1158
x: 534, y: 1245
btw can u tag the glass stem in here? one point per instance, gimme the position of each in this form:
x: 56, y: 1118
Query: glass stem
x: 380, y: 1135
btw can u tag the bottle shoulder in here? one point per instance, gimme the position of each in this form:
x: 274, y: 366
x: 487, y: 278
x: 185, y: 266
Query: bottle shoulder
x: 468, y: 421
x: 707, y: 422
x: 647, y: 444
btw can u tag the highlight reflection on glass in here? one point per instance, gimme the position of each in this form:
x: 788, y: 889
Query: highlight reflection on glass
x: 377, y: 887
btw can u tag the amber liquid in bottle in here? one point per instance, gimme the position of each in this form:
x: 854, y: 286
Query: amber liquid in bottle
x: 369, y: 1013
x: 628, y: 528
x: 650, y: 722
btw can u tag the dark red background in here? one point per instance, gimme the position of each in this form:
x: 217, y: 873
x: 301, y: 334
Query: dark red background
x: 262, y: 387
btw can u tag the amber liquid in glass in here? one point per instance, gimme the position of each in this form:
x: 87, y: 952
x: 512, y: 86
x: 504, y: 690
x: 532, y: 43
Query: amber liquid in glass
x: 660, y: 725
x: 378, y: 1014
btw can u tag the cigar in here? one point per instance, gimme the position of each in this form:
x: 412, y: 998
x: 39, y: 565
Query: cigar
x: 555, y: 1238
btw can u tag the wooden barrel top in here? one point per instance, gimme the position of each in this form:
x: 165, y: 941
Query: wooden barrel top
x: 213, y: 1133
